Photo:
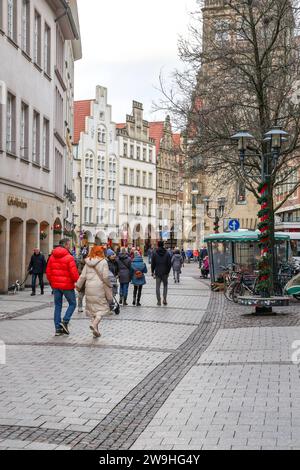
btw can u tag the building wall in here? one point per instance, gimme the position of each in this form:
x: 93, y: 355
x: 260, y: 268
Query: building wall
x: 137, y: 153
x: 31, y: 183
x: 169, y: 183
x: 96, y: 173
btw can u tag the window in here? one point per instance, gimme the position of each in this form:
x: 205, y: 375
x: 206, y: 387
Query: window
x: 26, y: 26
x: 241, y: 193
x: 150, y: 180
x: 12, y: 19
x: 59, y: 173
x: 47, y: 50
x: 37, y: 42
x: 150, y: 156
x: 11, y: 124
x: 131, y: 151
x: 102, y: 135
x: 138, y: 205
x: 150, y: 207
x: 131, y: 205
x: 125, y: 204
x: 144, y: 179
x: 160, y: 182
x: 125, y: 176
x: 144, y: 154
x: 144, y: 208
x: 59, y: 113
x: 86, y: 215
x: 59, y: 52
x: 36, y: 138
x: 167, y: 185
x: 24, y: 128
x: 125, y: 150
x: 90, y: 215
x: 131, y: 178
x: 112, y: 190
x: 138, y: 178
x: 46, y: 143
x: 221, y: 34
x: 138, y: 153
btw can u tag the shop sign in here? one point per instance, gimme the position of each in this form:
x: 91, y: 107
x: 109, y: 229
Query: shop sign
x: 15, y: 201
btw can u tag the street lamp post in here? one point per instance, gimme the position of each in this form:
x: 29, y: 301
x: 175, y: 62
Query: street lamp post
x: 269, y: 161
x: 217, y: 212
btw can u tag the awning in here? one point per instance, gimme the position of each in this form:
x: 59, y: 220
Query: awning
x: 242, y: 236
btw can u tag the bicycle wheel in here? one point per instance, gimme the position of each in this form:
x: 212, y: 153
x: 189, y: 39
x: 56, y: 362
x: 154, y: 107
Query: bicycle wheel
x: 228, y: 292
x: 238, y: 291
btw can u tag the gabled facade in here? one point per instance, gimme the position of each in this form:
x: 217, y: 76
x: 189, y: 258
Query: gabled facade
x: 137, y: 153
x: 96, y: 170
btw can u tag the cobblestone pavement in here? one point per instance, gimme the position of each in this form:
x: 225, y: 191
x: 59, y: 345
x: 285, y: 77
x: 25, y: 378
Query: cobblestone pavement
x: 199, y: 373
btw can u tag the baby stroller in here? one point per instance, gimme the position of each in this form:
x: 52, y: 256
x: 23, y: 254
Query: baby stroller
x: 115, y: 306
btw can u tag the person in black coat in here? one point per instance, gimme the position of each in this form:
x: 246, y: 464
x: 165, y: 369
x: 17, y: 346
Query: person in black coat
x: 160, y: 268
x: 124, y: 264
x: 37, y: 268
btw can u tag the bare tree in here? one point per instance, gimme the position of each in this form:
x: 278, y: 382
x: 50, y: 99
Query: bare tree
x: 242, y: 72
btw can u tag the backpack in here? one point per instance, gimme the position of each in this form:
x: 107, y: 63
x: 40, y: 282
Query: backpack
x: 138, y: 274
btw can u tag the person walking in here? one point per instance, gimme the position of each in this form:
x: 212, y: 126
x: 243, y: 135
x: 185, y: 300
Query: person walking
x: 189, y: 255
x: 124, y: 264
x: 160, y: 268
x: 177, y: 263
x: 95, y: 279
x: 80, y: 267
x: 150, y: 253
x: 62, y: 275
x: 37, y: 267
x: 138, y: 270
x: 113, y: 268
x: 183, y: 256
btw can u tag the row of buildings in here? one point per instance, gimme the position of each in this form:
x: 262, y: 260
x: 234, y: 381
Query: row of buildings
x: 128, y: 177
x: 66, y: 169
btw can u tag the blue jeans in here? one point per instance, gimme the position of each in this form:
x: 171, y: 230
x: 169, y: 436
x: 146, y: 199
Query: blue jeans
x: 58, y: 302
x: 41, y: 281
x: 124, y: 289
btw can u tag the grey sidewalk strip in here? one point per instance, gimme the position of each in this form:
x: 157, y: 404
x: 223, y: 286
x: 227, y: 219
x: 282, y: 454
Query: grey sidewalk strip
x: 121, y: 428
x: 24, y: 311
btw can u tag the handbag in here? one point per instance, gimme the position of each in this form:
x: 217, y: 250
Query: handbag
x: 82, y: 288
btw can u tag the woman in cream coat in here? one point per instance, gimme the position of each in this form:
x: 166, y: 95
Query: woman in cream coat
x: 96, y: 283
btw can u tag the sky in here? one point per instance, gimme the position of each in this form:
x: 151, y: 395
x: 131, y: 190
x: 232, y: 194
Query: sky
x: 126, y: 44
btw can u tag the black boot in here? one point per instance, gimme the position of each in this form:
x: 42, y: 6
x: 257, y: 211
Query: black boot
x: 121, y: 300
x: 139, y: 301
x: 134, y: 300
x: 125, y: 302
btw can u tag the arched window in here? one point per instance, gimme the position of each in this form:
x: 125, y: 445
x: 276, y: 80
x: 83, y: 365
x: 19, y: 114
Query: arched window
x: 112, y: 165
x: 102, y: 135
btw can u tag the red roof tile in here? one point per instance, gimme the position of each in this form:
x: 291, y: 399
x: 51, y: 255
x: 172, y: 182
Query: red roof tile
x: 120, y: 126
x: 156, y: 132
x: 82, y: 109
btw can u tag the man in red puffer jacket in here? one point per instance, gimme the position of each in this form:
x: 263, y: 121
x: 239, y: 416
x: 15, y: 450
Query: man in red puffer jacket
x: 62, y: 275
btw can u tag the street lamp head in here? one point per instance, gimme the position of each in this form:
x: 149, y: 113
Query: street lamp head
x: 206, y: 201
x: 277, y: 136
x: 221, y: 202
x: 242, y: 138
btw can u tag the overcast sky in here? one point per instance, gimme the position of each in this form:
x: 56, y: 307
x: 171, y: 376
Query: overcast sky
x: 125, y: 45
